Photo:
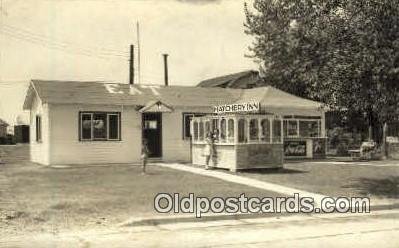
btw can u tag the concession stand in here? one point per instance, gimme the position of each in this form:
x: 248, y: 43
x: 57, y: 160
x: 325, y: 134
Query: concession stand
x: 243, y: 137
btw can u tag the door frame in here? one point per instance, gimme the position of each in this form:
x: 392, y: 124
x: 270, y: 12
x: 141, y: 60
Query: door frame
x: 159, y: 127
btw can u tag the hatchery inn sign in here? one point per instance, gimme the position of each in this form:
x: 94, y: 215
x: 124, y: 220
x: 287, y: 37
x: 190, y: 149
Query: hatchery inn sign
x: 237, y: 108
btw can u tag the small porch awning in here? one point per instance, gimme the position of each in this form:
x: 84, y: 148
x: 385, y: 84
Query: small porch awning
x: 156, y: 106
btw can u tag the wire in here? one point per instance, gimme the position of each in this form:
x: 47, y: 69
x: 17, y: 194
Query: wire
x: 56, y: 47
x: 62, y: 46
x: 64, y: 43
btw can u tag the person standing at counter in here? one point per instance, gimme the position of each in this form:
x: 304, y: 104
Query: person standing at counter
x: 209, y: 149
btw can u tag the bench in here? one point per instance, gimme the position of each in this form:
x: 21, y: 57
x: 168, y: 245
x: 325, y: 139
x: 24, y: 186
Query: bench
x: 355, y: 154
x: 366, y: 152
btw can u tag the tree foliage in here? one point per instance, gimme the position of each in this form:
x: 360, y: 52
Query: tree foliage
x: 344, y: 53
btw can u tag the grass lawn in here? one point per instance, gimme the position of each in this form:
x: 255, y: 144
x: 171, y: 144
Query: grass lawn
x: 354, y: 179
x: 50, y: 199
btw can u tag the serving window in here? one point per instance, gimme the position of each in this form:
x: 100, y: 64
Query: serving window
x: 196, y: 128
x: 291, y: 128
x: 99, y: 126
x: 277, y: 134
x: 223, y: 130
x: 242, y: 131
x: 309, y: 128
x: 239, y: 128
x: 201, y: 131
x: 253, y: 129
x: 187, y: 117
x: 265, y: 130
x: 303, y: 128
x: 230, y: 127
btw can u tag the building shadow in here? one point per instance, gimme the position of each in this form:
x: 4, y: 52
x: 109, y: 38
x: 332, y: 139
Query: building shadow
x: 386, y: 187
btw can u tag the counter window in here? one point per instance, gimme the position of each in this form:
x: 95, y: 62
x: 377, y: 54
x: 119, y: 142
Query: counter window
x: 215, y: 125
x: 265, y: 134
x: 242, y: 131
x: 223, y: 130
x: 187, y: 117
x: 253, y: 129
x: 309, y: 128
x: 201, y: 130
x: 207, y: 127
x: 276, y: 131
x: 195, y: 124
x: 230, y: 127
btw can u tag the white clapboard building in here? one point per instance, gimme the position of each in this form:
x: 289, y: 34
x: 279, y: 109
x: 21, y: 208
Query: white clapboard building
x: 96, y: 122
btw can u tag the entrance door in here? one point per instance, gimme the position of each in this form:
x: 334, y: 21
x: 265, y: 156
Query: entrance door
x: 152, y: 132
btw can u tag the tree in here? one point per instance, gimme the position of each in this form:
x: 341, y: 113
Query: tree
x: 344, y: 53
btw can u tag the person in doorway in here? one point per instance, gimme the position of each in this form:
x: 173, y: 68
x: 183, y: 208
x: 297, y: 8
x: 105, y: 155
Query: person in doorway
x: 209, y: 149
x: 144, y: 154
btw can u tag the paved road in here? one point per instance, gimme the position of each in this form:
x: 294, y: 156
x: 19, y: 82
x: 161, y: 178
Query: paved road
x: 378, y: 229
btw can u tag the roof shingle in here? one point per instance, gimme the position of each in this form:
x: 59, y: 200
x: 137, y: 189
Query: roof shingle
x: 102, y: 93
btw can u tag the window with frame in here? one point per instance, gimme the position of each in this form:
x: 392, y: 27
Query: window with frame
x: 201, y: 130
x: 187, y: 117
x: 230, y: 129
x: 207, y: 127
x: 265, y: 133
x: 99, y: 126
x: 242, y: 131
x: 253, y: 129
x: 291, y: 128
x: 38, y: 128
x: 195, y: 124
x: 309, y: 128
x: 277, y: 131
x: 223, y: 130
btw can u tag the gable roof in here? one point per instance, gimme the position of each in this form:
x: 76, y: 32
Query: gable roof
x: 231, y: 80
x: 277, y: 101
x: 103, y: 93
x: 108, y: 93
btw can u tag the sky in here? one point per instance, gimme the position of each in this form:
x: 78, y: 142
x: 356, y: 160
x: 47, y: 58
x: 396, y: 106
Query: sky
x: 89, y: 40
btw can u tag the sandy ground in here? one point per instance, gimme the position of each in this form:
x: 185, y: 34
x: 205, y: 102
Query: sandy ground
x: 378, y: 180
x: 82, y: 206
x: 39, y: 199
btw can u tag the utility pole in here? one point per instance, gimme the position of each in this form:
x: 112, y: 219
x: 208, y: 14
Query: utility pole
x: 138, y: 54
x: 165, y: 62
x: 131, y: 65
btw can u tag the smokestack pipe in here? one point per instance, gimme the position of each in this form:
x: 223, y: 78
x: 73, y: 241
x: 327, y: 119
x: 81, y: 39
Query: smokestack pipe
x: 131, y: 65
x: 165, y: 62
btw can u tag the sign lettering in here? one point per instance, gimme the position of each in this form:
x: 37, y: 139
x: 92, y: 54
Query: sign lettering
x: 133, y: 90
x: 295, y: 148
x: 237, y: 107
x: 153, y: 88
x: 113, y: 88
